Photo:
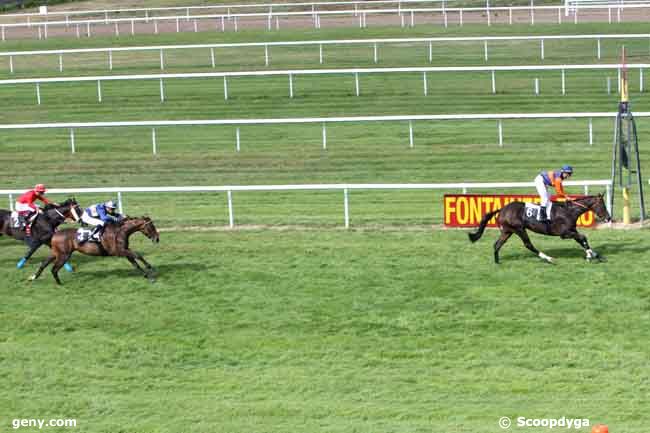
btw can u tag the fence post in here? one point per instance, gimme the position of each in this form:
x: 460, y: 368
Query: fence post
x: 290, y: 85
x: 155, y: 26
x: 119, y: 203
x: 162, y: 91
x: 598, y: 48
x: 563, y: 83
x: 356, y: 82
x: 110, y: 60
x: 430, y: 52
x: 11, y: 64
x: 536, y: 86
x: 237, y: 139
x: 153, y: 141
x: 542, y: 48
x: 320, y: 51
x: 231, y: 215
x: 460, y: 18
x: 375, y: 57
x: 212, y: 57
x: 500, y: 133
x: 324, y: 137
x: 3, y: 34
x: 117, y: 30
x: 78, y: 32
x: 72, y: 147
x: 225, y: 88
x: 11, y: 202
x: 178, y: 26
x: 38, y: 93
x: 132, y: 27
x: 494, y: 83
x: 88, y: 29
x: 641, y: 80
x: 60, y: 62
x: 196, y: 26
x: 346, y: 208
x: 162, y: 60
x: 485, y: 50
x: 266, y: 55
x: 591, y: 132
x: 424, y: 78
x: 411, y: 134
x: 99, y: 91
x: 608, y: 195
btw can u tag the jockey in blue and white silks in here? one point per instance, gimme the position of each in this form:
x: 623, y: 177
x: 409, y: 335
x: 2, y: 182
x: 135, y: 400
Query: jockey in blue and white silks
x: 98, y: 215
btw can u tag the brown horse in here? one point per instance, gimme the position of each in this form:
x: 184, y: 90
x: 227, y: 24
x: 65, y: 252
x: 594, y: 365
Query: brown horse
x: 115, y: 242
x: 512, y: 219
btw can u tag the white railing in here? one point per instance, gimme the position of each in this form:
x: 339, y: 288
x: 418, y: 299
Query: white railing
x: 345, y: 188
x: 406, y: 15
x: 266, y: 54
x: 339, y: 71
x: 323, y: 121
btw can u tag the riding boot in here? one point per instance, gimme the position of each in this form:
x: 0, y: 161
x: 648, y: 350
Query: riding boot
x: 541, y: 216
x: 97, y: 233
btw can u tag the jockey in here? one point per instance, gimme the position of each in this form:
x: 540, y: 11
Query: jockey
x: 98, y: 215
x: 27, y: 208
x: 554, y: 179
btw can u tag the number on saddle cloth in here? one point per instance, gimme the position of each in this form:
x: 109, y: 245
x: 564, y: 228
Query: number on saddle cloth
x: 531, y: 211
x: 84, y: 235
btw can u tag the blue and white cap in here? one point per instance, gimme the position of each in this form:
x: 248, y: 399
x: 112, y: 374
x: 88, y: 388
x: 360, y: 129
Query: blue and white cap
x: 110, y: 204
x: 567, y: 169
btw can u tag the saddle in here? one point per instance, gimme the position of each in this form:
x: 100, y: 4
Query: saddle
x: 531, y: 211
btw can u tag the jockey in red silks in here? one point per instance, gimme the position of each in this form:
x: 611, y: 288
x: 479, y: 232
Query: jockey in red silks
x: 27, y: 208
x: 554, y: 179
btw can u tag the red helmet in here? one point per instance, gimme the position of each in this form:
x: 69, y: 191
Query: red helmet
x: 40, y: 188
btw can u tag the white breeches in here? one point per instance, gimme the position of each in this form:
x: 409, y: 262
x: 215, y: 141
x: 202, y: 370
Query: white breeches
x: 24, y: 207
x: 91, y: 221
x: 542, y: 191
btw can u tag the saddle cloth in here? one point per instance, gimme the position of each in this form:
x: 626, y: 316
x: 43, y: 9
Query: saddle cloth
x: 83, y: 235
x: 15, y: 221
x: 531, y: 211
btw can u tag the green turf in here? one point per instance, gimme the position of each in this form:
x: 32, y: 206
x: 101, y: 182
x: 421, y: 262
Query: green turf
x: 330, y: 331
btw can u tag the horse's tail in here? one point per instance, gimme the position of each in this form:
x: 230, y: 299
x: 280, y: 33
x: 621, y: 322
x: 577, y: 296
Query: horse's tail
x: 481, y: 228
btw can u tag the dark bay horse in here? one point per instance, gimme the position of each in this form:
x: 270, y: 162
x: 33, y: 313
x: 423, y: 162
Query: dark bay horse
x: 564, y: 215
x: 115, y: 242
x: 43, y: 227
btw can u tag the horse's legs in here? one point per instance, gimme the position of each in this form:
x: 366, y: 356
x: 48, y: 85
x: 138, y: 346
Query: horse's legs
x: 499, y: 243
x: 582, y: 240
x: 44, y: 264
x: 33, y: 246
x: 528, y: 244
x: 131, y: 257
x: 60, y: 260
x: 141, y: 258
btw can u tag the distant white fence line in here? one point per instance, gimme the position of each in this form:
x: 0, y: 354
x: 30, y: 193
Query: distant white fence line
x: 339, y: 71
x: 323, y: 121
x: 345, y: 188
x: 407, y: 17
x: 321, y: 43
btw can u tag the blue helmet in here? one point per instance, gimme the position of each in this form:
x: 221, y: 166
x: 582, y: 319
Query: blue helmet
x: 567, y: 169
x: 110, y: 204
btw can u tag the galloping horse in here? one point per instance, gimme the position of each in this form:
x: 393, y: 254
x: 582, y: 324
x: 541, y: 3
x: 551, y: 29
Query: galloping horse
x: 43, y: 227
x: 115, y: 242
x: 511, y: 220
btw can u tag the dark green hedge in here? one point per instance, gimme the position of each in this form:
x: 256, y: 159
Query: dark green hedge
x: 9, y: 5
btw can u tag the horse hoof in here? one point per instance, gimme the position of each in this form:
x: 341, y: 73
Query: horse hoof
x: 32, y: 278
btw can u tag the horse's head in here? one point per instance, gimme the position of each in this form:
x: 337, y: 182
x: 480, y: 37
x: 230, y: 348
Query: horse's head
x: 71, y: 209
x: 596, y: 203
x: 143, y: 225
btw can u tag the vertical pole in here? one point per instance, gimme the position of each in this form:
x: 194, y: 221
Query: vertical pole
x: 586, y: 189
x: 60, y: 62
x: 155, y: 26
x: 598, y: 48
x: 11, y: 202
x: 532, y: 13
x: 487, y: 13
x: 236, y: 24
x: 500, y: 125
x: 356, y: 82
x: 485, y: 50
x: 187, y: 14
x: 266, y: 55
x: 494, y: 83
x: 641, y: 80
x: 225, y: 88
x: 608, y: 197
x: 120, y: 205
x: 324, y: 137
x: 320, y: 53
x: 88, y: 29
x: 563, y: 83
x: 460, y: 18
x: 536, y: 86
x: 510, y: 16
x: 153, y: 140
x: 162, y: 91
x: 72, y: 148
x: 162, y: 60
x: 223, y: 23
x: 132, y: 27
x: 444, y: 17
x: 117, y: 29
x: 11, y: 64
x: 559, y: 15
x: 237, y: 140
x: 346, y: 208
x: 609, y: 85
x: 609, y: 14
x: 541, y: 47
x: 618, y: 81
x: 40, y: 33
x: 411, y: 134
x: 424, y: 82
x: 575, y: 16
x: 99, y: 91
x: 178, y: 26
x: 212, y: 57
x: 110, y: 60
x: 591, y: 132
x: 290, y: 86
x: 412, y: 19
x: 375, y: 52
x: 38, y: 93
x: 4, y: 36
x: 196, y: 26
x: 231, y: 215
x: 430, y: 52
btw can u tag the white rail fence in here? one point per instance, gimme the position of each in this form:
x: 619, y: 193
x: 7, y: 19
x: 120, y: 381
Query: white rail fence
x: 344, y: 188
x: 266, y: 54
x: 355, y: 72
x: 407, y: 17
x: 323, y: 121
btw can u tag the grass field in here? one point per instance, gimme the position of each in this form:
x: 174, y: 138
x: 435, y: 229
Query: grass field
x: 304, y: 326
